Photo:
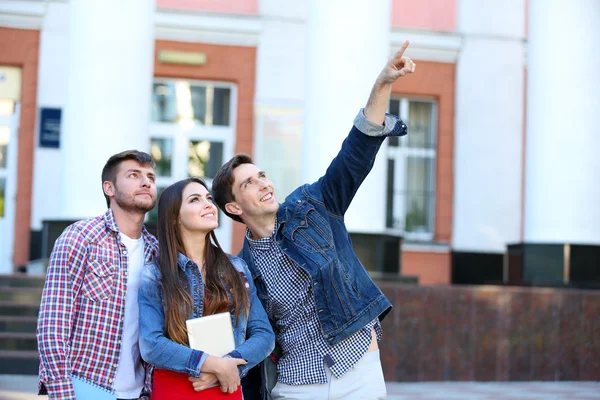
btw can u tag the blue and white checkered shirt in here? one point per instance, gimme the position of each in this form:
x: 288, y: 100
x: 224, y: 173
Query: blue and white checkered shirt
x: 292, y: 306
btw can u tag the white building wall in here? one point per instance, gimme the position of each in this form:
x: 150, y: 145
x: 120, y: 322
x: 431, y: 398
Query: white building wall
x: 489, y: 126
x: 562, y: 196
x: 279, y: 96
x: 111, y: 48
x: 348, y: 45
x: 52, y: 93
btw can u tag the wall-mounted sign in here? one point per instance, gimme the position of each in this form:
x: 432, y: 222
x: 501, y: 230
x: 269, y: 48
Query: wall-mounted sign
x: 50, y: 121
x: 182, y: 57
x: 10, y: 83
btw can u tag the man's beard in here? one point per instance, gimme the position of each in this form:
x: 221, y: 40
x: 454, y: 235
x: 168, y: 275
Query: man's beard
x: 132, y: 206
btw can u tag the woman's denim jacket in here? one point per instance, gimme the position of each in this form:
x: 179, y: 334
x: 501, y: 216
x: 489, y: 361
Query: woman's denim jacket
x: 254, y: 338
x: 312, y: 232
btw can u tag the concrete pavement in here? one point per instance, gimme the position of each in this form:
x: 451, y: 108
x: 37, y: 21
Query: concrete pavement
x: 23, y: 387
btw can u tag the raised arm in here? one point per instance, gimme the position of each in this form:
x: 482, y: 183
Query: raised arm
x: 396, y: 67
x: 355, y: 160
x: 63, y: 279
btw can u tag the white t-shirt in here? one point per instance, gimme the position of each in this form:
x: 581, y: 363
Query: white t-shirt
x: 129, y: 380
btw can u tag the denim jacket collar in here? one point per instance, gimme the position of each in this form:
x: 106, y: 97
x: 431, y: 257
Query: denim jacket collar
x: 282, y: 215
x: 183, y: 261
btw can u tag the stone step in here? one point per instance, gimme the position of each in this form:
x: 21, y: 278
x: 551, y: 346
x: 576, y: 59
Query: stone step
x: 19, y: 363
x: 17, y: 280
x: 12, y: 323
x: 17, y: 341
x: 19, y: 308
x: 21, y: 294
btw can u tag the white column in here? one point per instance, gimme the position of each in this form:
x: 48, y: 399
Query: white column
x: 279, y: 92
x: 489, y: 125
x: 562, y: 192
x: 111, y: 46
x: 348, y: 44
x: 53, y: 78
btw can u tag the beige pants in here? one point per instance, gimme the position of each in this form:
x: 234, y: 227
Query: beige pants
x: 363, y: 381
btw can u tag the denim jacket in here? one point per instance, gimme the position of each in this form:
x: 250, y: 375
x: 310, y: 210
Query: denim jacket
x: 157, y: 349
x: 312, y: 232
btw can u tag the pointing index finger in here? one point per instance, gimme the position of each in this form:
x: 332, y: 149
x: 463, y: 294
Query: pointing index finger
x: 400, y: 52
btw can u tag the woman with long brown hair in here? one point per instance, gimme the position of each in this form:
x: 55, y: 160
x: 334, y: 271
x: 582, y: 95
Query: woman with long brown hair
x: 191, y: 278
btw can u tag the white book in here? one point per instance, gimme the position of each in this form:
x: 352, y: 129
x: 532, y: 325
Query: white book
x: 212, y: 334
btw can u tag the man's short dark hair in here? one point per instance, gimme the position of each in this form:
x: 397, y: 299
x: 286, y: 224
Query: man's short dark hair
x: 109, y: 172
x: 223, y: 182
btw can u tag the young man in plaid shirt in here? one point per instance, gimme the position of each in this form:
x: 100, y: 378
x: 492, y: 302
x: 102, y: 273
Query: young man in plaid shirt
x: 88, y: 320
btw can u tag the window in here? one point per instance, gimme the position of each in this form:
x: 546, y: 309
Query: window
x: 204, y: 104
x: 4, y: 142
x: 411, y: 170
x: 2, y: 195
x: 162, y: 152
x: 192, y: 134
x: 205, y: 158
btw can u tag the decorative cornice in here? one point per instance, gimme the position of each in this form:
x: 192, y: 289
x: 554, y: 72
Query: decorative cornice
x: 427, y: 45
x: 227, y: 29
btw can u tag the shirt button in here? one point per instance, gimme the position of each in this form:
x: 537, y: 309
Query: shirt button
x: 125, y: 252
x: 303, y: 222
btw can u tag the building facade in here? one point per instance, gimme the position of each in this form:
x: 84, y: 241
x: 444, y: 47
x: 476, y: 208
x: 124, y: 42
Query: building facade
x: 500, y: 156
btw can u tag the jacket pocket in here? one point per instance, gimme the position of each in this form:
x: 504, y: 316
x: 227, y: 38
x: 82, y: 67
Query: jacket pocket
x: 309, y: 229
x: 99, y: 279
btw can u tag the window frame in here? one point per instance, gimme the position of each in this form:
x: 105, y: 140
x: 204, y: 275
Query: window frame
x: 400, y: 155
x: 184, y: 132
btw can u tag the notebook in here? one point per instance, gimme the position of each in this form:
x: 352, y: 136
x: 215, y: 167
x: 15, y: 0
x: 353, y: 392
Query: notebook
x: 86, y: 390
x: 213, y: 334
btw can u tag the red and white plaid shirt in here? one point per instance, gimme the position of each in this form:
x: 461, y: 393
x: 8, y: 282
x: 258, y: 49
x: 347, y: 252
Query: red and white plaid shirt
x: 81, y: 314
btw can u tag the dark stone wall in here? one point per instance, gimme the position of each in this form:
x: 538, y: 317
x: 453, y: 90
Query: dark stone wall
x: 490, y: 333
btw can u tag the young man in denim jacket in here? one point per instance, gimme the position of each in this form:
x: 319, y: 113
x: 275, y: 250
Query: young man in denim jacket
x: 325, y: 308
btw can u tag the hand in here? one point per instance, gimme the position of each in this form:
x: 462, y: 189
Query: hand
x: 206, y: 379
x: 226, y: 371
x: 397, y: 66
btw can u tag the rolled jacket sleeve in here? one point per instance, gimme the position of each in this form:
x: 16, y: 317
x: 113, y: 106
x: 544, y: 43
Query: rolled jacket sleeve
x: 392, y: 126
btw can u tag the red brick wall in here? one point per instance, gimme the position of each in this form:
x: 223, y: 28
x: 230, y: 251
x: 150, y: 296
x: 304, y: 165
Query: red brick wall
x: 224, y: 63
x: 435, y: 80
x: 432, y: 268
x: 20, y: 48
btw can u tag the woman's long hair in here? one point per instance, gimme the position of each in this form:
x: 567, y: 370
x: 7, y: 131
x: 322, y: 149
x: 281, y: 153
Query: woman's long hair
x: 175, y: 286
